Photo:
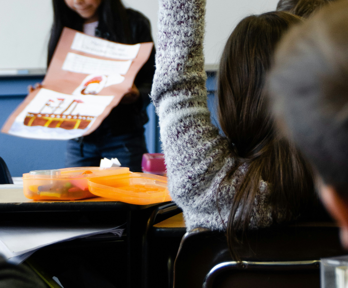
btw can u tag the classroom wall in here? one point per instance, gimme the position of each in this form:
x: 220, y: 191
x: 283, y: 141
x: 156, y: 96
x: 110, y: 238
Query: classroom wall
x: 25, y: 26
x: 24, y: 32
x: 222, y: 17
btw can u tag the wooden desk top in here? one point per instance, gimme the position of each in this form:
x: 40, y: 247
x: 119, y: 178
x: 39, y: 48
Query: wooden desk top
x: 13, y: 200
x: 176, y: 221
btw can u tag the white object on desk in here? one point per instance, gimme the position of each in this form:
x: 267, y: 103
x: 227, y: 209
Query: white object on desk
x: 17, y: 180
x: 11, y: 186
x: 107, y: 163
x: 17, y: 184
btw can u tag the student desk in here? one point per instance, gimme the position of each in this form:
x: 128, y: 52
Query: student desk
x: 176, y: 222
x: 16, y: 208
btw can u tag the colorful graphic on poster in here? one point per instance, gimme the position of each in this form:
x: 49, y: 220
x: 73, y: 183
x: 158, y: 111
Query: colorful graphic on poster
x: 61, y: 116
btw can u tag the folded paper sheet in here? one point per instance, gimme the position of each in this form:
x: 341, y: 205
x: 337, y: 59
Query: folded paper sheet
x: 17, y: 243
x: 87, y: 77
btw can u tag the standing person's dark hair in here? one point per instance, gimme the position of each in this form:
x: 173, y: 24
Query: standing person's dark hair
x: 112, y: 20
x: 309, y: 91
x: 286, y: 5
x: 249, y: 125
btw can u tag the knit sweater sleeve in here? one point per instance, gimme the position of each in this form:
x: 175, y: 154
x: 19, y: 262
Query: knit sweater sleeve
x: 197, y: 157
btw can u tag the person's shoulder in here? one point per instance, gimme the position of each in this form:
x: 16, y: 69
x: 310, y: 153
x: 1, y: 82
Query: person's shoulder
x: 140, y: 26
x: 136, y: 16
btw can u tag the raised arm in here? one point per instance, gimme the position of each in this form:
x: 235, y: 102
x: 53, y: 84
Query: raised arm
x: 197, y: 157
x: 179, y: 59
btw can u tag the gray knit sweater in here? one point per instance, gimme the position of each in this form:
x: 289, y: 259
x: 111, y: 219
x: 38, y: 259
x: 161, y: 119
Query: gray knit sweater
x: 197, y: 157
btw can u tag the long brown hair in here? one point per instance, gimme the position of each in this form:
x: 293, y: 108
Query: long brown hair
x: 249, y: 126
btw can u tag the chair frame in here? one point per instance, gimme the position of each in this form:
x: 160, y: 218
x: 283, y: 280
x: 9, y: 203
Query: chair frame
x: 204, y: 259
x: 273, y: 266
x: 161, y: 213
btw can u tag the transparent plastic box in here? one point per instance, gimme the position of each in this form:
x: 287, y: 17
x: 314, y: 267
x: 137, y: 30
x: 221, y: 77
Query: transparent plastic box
x: 133, y: 188
x: 334, y: 272
x: 64, y: 184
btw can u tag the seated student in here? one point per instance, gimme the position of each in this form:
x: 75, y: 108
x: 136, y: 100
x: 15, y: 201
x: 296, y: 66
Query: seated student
x: 309, y: 86
x: 18, y: 276
x: 302, y: 8
x: 250, y: 177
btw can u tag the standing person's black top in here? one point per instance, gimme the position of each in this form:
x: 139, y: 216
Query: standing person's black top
x: 128, y: 118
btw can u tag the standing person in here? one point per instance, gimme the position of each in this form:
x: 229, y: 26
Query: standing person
x: 309, y: 88
x: 250, y: 177
x: 121, y: 134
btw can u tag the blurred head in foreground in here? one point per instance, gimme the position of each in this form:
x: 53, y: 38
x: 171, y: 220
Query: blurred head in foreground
x: 302, y: 8
x: 286, y: 5
x: 308, y: 86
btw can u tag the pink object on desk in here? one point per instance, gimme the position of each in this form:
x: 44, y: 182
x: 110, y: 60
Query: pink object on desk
x: 154, y: 163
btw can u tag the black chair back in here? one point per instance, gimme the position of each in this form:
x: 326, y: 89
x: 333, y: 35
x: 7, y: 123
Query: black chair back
x: 285, y: 274
x: 5, y: 176
x: 271, y: 257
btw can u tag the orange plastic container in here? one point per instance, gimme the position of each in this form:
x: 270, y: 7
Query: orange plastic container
x: 64, y: 184
x: 132, y: 188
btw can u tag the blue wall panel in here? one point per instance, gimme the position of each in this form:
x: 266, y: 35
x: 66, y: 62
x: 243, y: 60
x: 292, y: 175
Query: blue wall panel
x: 23, y: 155
x: 17, y: 86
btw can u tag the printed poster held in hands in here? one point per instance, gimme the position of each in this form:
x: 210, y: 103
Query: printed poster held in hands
x: 86, y: 79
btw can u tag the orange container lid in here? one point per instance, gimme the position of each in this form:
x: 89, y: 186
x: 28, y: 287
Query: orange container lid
x: 75, y: 172
x: 132, y: 188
